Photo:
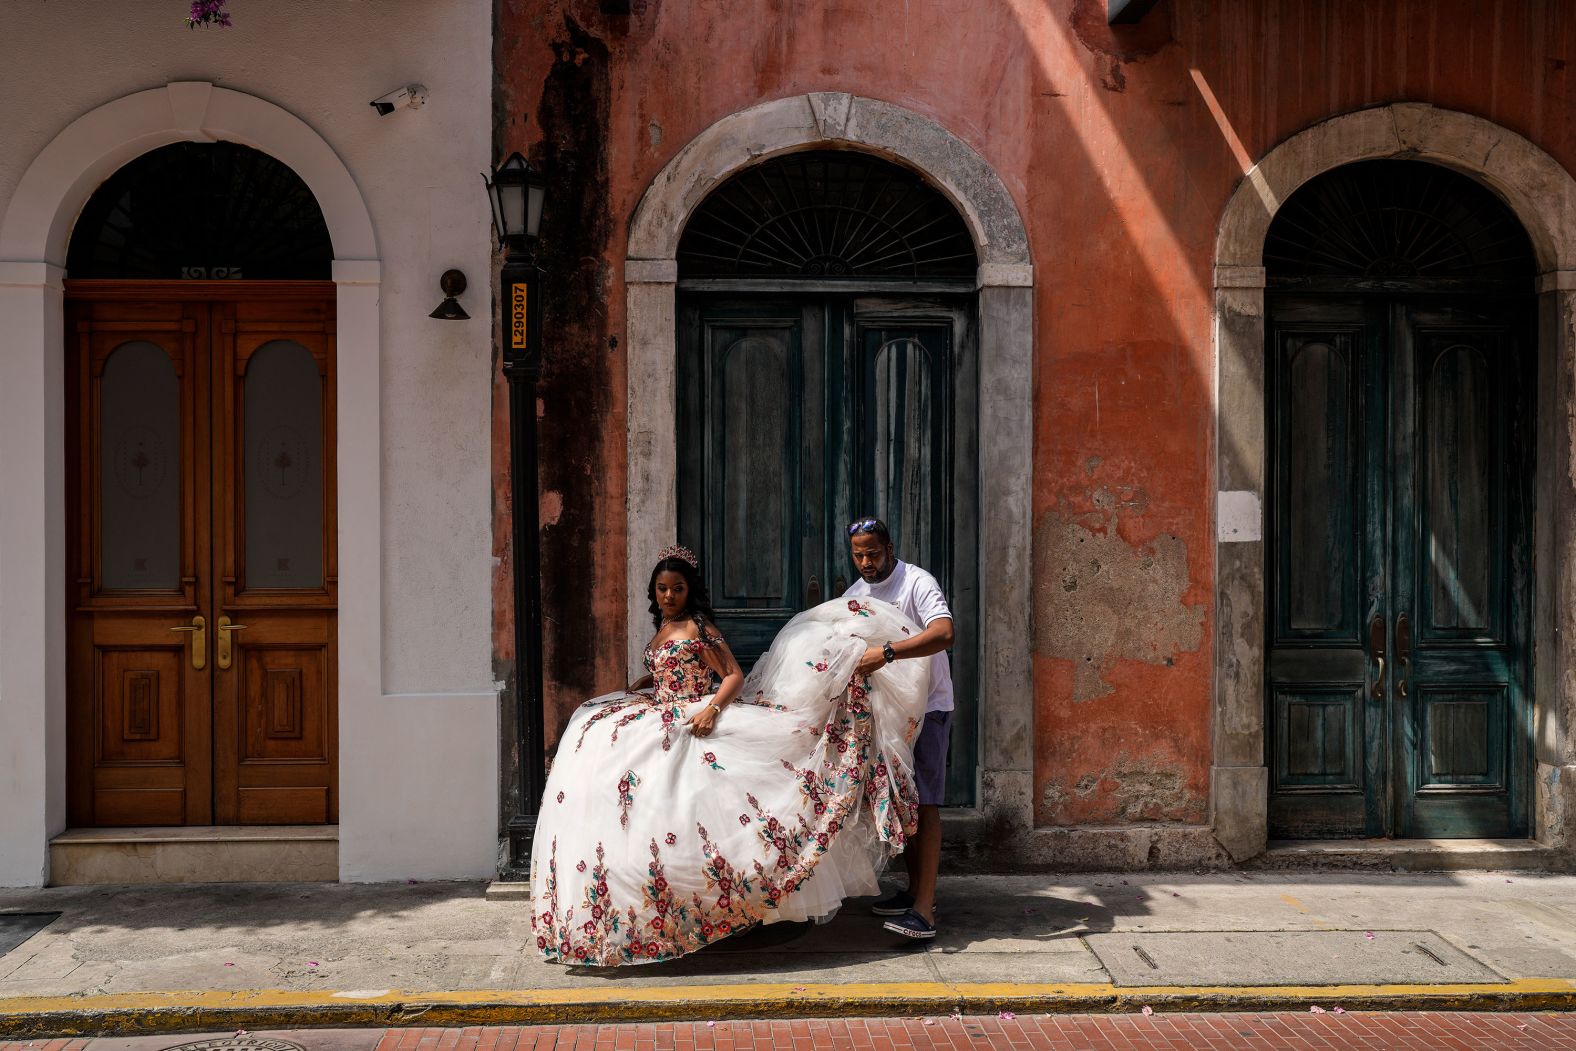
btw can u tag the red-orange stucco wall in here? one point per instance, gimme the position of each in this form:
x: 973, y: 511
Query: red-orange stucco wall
x: 1121, y: 148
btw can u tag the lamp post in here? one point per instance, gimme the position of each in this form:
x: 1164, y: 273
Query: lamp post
x: 517, y: 191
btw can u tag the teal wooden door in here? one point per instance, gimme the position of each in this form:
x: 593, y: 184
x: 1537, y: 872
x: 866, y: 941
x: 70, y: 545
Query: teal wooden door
x: 1461, y: 646
x: 751, y: 462
x: 797, y: 414
x: 1400, y: 558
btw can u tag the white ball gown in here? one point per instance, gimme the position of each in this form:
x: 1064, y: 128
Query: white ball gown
x: 653, y: 842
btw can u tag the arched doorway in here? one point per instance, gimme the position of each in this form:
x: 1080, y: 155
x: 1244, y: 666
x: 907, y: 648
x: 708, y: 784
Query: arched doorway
x: 827, y: 369
x: 1400, y: 359
x: 201, y: 484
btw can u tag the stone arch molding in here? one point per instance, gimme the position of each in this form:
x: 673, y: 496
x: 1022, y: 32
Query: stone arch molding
x: 1005, y: 278
x: 38, y: 220
x: 825, y: 119
x: 1543, y: 196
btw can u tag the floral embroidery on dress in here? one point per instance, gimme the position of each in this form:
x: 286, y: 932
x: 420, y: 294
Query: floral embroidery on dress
x: 626, y: 796
x: 842, y: 761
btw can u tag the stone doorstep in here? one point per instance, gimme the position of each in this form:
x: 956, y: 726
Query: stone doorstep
x: 195, y: 854
x: 508, y: 890
x: 1413, y: 855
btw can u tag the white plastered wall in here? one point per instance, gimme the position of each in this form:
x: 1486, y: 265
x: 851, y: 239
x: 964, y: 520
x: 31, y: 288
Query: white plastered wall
x: 90, y: 88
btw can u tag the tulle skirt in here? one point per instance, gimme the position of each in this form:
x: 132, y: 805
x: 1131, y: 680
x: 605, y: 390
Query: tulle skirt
x: 653, y: 842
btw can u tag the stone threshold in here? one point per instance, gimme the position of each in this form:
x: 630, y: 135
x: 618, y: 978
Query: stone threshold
x: 195, y: 854
x: 1414, y: 855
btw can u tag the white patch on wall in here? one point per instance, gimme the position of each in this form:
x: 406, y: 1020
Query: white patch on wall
x: 1238, y: 516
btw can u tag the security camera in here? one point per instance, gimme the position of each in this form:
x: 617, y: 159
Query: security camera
x: 411, y: 96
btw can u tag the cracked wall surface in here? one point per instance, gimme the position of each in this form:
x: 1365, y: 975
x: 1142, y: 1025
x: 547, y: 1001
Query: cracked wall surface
x: 1121, y: 148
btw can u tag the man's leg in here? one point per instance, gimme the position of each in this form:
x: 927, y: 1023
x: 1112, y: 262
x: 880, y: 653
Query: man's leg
x: 922, y: 854
x: 923, y: 859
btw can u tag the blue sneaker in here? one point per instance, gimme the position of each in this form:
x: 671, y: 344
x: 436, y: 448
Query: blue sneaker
x: 911, y: 925
x: 896, y: 905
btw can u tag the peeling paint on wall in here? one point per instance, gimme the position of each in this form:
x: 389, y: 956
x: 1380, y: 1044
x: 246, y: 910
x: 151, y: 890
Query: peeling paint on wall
x: 1133, y: 789
x: 1100, y: 600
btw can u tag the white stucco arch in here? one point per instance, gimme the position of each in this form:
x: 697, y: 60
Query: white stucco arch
x: 1006, y: 409
x: 1543, y: 196
x: 34, y: 233
x: 37, y: 224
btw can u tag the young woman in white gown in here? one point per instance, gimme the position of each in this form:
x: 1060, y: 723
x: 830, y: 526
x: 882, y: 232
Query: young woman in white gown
x: 699, y: 803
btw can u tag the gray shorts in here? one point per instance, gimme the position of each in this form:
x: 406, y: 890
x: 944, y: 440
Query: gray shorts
x: 930, y: 758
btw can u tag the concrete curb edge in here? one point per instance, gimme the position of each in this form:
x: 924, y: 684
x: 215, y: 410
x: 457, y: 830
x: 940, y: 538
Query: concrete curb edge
x: 135, y: 1014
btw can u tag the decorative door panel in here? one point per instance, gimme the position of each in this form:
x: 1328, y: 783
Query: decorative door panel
x: 1399, y: 567
x: 1463, y: 563
x: 902, y: 388
x: 274, y: 706
x: 797, y: 414
x: 157, y: 505
x: 1327, y: 570
x: 283, y: 726
x: 759, y: 470
x: 139, y: 501
x: 906, y: 370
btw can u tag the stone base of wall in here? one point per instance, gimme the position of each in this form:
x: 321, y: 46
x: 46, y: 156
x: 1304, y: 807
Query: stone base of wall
x: 974, y: 843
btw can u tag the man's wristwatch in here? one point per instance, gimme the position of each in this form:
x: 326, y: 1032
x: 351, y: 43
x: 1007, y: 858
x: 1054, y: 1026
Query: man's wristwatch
x: 888, y: 652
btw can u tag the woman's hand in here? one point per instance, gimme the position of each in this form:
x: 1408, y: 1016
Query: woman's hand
x: 703, y: 722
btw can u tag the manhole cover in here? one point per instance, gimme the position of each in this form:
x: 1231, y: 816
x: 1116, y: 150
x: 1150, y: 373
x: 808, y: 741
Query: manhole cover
x: 1286, y: 958
x: 239, y: 1043
x: 18, y: 927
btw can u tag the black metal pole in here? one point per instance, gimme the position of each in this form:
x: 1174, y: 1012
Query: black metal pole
x: 522, y: 366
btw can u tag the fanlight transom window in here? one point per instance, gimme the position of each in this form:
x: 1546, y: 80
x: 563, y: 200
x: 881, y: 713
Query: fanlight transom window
x: 826, y: 214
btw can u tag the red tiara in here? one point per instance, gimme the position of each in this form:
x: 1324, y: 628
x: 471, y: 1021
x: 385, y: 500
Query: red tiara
x: 680, y: 552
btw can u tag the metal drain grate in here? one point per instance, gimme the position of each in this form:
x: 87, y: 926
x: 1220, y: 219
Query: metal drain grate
x: 1286, y: 958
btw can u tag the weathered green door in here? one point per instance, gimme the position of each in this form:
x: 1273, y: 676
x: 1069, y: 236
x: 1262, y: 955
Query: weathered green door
x: 798, y: 413
x: 1399, y: 566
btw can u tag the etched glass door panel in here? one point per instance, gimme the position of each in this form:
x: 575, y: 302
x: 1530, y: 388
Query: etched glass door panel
x: 140, y: 469
x: 137, y: 711
x: 275, y: 638
x: 202, y: 630
x: 283, y: 518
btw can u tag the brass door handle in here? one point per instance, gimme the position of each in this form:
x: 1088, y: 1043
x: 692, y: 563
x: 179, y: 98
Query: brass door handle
x: 838, y: 587
x: 813, y: 592
x: 1376, y: 649
x: 1403, y: 652
x: 222, y: 658
x: 199, y: 632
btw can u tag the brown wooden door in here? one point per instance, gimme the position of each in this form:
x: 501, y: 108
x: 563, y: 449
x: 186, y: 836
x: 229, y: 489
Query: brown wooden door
x: 202, y: 681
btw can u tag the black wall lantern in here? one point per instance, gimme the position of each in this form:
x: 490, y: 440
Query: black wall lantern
x: 518, y: 191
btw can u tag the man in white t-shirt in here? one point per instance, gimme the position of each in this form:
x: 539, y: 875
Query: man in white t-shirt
x: 882, y: 575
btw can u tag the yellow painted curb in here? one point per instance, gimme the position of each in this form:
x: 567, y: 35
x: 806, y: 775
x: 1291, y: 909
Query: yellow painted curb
x: 129, y: 1014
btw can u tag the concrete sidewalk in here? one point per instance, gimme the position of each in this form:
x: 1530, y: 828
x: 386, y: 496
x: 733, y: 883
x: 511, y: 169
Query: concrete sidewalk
x: 129, y: 959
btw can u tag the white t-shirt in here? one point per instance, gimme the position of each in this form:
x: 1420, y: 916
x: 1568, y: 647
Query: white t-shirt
x: 917, y: 594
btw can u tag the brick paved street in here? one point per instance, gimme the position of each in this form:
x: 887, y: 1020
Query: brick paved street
x: 1250, y: 1032
x: 1329, y: 1031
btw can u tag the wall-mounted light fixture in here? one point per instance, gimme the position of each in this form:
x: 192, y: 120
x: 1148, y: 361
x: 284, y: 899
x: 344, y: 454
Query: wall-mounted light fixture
x: 453, y: 284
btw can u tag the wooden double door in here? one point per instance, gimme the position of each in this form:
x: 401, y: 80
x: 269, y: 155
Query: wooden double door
x: 798, y: 413
x: 202, y: 579
x: 1399, y: 660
